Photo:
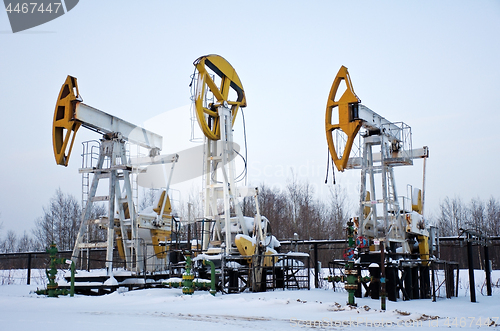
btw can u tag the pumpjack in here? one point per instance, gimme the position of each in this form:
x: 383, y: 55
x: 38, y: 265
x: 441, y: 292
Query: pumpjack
x: 383, y: 146
x: 385, y: 221
x: 218, y: 96
x: 140, y: 237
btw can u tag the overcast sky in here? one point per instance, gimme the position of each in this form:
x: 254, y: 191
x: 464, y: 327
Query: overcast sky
x: 431, y: 64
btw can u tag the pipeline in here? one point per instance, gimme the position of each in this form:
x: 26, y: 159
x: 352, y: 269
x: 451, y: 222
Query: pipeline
x: 188, y: 283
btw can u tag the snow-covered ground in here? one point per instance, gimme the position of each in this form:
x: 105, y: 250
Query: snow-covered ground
x: 169, y: 309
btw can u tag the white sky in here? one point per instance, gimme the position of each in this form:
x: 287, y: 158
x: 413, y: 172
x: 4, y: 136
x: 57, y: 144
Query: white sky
x: 432, y: 64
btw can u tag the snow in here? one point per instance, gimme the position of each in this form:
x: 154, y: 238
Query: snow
x: 244, y: 236
x: 111, y: 281
x: 297, y: 254
x: 201, y: 257
x: 21, y: 309
x: 233, y: 265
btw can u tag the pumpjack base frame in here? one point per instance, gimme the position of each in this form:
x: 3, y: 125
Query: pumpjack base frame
x: 406, y: 279
x: 95, y: 285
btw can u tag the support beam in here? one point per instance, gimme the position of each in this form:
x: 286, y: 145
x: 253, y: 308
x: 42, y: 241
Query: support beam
x: 487, y: 269
x: 470, y: 264
x: 316, y: 266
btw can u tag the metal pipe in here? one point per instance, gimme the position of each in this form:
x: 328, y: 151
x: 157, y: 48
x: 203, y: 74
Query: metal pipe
x: 423, y: 185
x: 212, y: 276
x: 72, y: 288
x: 382, y: 277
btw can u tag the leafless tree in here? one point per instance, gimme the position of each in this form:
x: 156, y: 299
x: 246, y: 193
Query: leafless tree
x: 493, y: 217
x: 476, y: 216
x: 302, y: 207
x: 339, y: 212
x: 9, y: 245
x: 452, y: 216
x: 25, y: 243
x: 148, y: 198
x: 481, y: 216
x: 274, y: 206
x: 95, y: 233
x: 297, y: 210
x: 61, y: 221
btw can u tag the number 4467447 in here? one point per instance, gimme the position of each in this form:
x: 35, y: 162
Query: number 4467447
x: 471, y: 321
x: 33, y: 7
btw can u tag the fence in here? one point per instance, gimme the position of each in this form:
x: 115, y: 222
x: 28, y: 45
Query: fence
x: 321, y: 251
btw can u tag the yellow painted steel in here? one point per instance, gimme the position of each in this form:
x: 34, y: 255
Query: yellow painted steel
x: 119, y: 241
x: 418, y: 207
x: 423, y: 248
x: 207, y: 115
x: 346, y: 122
x: 245, y: 246
x: 167, y: 211
x: 367, y: 209
x: 64, y: 126
x: 158, y: 236
x: 268, y: 260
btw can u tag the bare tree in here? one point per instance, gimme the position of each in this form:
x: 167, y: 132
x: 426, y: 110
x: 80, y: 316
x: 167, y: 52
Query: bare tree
x: 296, y: 210
x: 339, y: 209
x: 10, y: 242
x: 477, y: 216
x: 274, y: 206
x: 148, y: 198
x: 25, y: 243
x: 302, y: 207
x: 60, y: 222
x: 452, y: 217
x: 95, y: 233
x: 493, y: 216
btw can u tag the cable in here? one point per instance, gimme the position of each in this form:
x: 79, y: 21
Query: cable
x: 245, y: 139
x: 328, y: 158
x: 243, y: 172
x: 327, y: 165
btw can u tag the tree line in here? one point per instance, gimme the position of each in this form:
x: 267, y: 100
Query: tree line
x: 59, y: 224
x: 481, y: 216
x: 293, y: 209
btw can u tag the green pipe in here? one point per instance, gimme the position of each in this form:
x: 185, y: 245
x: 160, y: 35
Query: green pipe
x: 187, y: 277
x: 212, y: 276
x: 188, y: 284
